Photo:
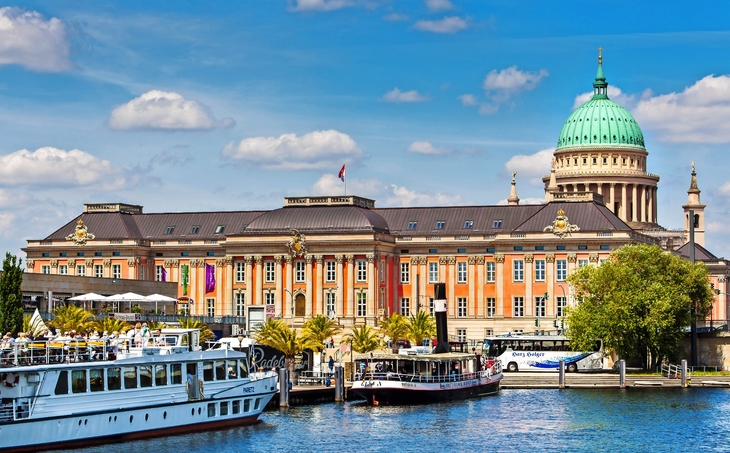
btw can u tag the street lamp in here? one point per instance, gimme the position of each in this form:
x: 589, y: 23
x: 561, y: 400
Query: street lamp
x: 565, y: 302
x: 292, y: 307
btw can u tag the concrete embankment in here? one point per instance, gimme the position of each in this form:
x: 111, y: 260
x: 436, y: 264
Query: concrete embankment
x: 549, y: 380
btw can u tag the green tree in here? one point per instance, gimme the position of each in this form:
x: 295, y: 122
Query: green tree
x: 71, y: 317
x: 112, y: 324
x: 422, y: 325
x: 363, y: 339
x: 192, y: 323
x: 639, y: 303
x: 279, y: 336
x: 396, y: 328
x: 320, y: 329
x: 11, y: 296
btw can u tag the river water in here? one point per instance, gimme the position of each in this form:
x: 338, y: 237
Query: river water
x: 577, y: 420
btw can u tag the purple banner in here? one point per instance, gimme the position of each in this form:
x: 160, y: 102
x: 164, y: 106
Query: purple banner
x: 209, y: 278
x: 164, y: 275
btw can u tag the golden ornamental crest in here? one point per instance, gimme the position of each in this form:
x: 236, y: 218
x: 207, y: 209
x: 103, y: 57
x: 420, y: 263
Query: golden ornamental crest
x: 81, y: 235
x: 297, y: 244
x: 561, y: 227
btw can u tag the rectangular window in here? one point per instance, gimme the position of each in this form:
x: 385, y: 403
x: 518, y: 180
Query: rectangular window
x: 412, y: 225
x: 491, y: 271
x: 330, y: 303
x: 517, y: 248
x: 361, y: 304
x: 269, y: 298
x: 160, y: 375
x: 207, y: 371
x: 433, y: 272
x: 362, y: 271
x: 605, y: 247
x: 78, y: 381
x: 299, y: 268
x: 98, y: 270
x: 236, y: 407
x: 461, y: 334
x: 211, y: 409
x: 405, y: 272
x: 497, y: 224
x: 219, y: 229
x: 114, y: 378
x: 220, y: 370
x: 232, y: 369
x: 560, y: 312
x: 540, y: 307
x: 560, y: 247
x: 269, y: 272
x: 158, y: 273
x: 240, y: 304
x: 240, y: 272
x: 195, y: 229
x: 539, y: 270
x: 211, y: 306
x: 246, y: 405
x: 461, y: 272
x: 582, y: 247
x: 169, y: 230
x: 561, y: 270
x: 116, y: 271
x: 439, y: 225
x: 405, y: 306
x: 491, y: 307
x: 96, y: 379
x: 176, y: 373
x: 469, y: 224
x: 518, y: 305
x: 81, y: 270
x: 330, y: 271
x: 63, y: 269
x: 461, y: 307
x: 130, y: 377
x: 539, y: 247
x: 582, y: 263
x: 145, y: 376
x: 518, y: 270
x: 45, y: 269
x: 224, y: 408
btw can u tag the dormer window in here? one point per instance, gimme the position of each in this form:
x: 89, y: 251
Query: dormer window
x: 169, y: 230
x: 219, y: 229
x: 440, y: 225
x: 412, y: 225
x: 497, y: 224
x: 469, y: 224
x: 195, y: 229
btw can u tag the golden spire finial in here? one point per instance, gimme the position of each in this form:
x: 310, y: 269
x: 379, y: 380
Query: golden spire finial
x: 600, y: 55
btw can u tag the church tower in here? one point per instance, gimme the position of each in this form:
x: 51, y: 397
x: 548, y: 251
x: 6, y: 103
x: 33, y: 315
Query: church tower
x: 697, y: 208
x: 601, y: 150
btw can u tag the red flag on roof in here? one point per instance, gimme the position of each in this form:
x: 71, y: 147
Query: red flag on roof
x: 342, y: 173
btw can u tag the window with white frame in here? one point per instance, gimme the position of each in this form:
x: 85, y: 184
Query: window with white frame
x: 240, y: 271
x: 539, y: 270
x: 210, y: 304
x: 461, y: 307
x: 461, y: 334
x: 461, y: 272
x: 491, y: 271
x: 362, y: 271
x: 63, y: 269
x: 98, y: 270
x: 433, y: 272
x: 299, y: 268
x: 488, y: 332
x: 158, y: 273
x: 81, y: 270
x: 518, y: 270
x: 330, y: 271
x: 116, y: 271
x: 240, y: 301
x: 561, y: 304
x: 540, y: 307
x: 518, y: 305
x: 582, y: 263
x: 46, y: 269
x: 405, y: 306
x: 269, y: 273
x: 269, y: 299
x: 362, y: 304
x: 405, y: 272
x: 141, y: 272
x: 561, y: 270
x: 491, y: 307
x: 330, y: 297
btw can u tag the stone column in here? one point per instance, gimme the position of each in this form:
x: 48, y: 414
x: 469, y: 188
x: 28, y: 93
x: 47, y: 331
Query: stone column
x: 372, y: 283
x: 613, y: 198
x: 107, y: 267
x: 414, y: 286
x: 472, y: 287
x: 228, y: 262
x: 350, y: 295
x: 278, y: 281
x: 529, y: 279
x: 422, y: 283
x: 259, y: 290
x: 634, y: 202
x: 309, y: 311
x: 650, y: 205
x: 550, y: 282
x: 220, y: 307
x: 624, y: 211
x: 394, y: 285
x: 289, y: 292
x: 320, y: 285
x: 340, y: 285
x: 499, y: 296
x: 654, y: 215
x: 481, y: 301
x: 450, y: 287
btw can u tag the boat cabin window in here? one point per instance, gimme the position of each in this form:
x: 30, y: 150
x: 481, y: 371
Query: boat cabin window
x: 145, y: 376
x: 220, y: 370
x: 160, y: 374
x: 207, y: 371
x: 243, y: 368
x: 192, y: 368
x: 62, y: 383
x: 130, y: 377
x: 176, y: 373
x: 232, y: 369
x: 236, y: 407
x: 96, y: 379
x: 78, y: 381
x: 185, y: 340
x: 114, y: 378
x: 246, y: 405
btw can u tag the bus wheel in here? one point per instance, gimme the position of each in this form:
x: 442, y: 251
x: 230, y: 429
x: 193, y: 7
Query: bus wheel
x: 572, y: 368
x: 512, y: 366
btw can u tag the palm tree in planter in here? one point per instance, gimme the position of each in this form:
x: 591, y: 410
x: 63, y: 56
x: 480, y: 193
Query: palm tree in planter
x: 277, y: 335
x: 363, y: 339
x: 422, y: 325
x: 396, y: 328
x: 70, y: 317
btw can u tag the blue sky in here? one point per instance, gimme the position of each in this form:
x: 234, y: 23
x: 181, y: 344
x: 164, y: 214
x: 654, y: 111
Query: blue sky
x: 192, y: 106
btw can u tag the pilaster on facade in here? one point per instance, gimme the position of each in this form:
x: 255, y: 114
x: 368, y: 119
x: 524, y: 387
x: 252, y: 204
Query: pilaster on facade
x: 340, y: 286
x: 372, y: 279
x: 481, y: 301
x: 309, y: 311
x: 228, y: 301
x: 259, y: 289
x: 350, y: 297
x: 288, y: 306
x: 499, y: 296
x: 319, y: 282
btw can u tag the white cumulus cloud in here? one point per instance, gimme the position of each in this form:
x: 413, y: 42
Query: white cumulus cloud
x: 428, y: 148
x: 532, y: 166
x: 468, y: 100
x: 510, y: 81
x: 320, y: 5
x: 439, y: 5
x: 396, y: 95
x: 627, y: 101
x: 29, y: 40
x: 319, y: 150
x: 450, y: 24
x: 698, y: 114
x: 7, y: 223
x: 164, y: 110
x: 401, y: 196
x: 54, y: 167
x: 395, y: 17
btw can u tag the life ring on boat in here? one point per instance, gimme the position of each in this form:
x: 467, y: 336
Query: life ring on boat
x: 10, y: 380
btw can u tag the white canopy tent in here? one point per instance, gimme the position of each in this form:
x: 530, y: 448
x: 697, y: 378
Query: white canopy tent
x: 127, y: 297
x: 88, y: 297
x: 159, y: 298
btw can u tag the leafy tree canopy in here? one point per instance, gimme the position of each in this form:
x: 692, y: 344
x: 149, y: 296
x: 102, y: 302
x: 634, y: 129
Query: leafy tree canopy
x: 11, y: 296
x: 192, y: 323
x: 421, y: 326
x: 396, y: 328
x: 320, y: 329
x: 639, y: 303
x: 364, y: 339
x: 71, y: 317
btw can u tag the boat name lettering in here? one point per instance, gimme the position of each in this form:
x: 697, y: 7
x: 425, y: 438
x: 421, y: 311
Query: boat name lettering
x: 248, y: 390
x: 454, y: 385
x: 408, y: 384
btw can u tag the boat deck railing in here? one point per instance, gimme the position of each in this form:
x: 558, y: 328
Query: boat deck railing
x: 403, y: 377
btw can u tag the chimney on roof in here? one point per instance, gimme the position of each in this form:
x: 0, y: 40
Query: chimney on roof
x: 513, y: 199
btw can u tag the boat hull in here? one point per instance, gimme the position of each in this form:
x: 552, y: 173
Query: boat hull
x: 391, y: 393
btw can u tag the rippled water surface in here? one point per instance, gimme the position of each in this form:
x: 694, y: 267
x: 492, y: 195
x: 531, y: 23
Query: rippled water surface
x: 515, y: 420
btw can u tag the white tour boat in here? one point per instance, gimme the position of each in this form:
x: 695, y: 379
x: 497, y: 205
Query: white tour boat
x: 63, y: 394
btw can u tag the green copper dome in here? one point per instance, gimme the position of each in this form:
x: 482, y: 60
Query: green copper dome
x: 600, y: 121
